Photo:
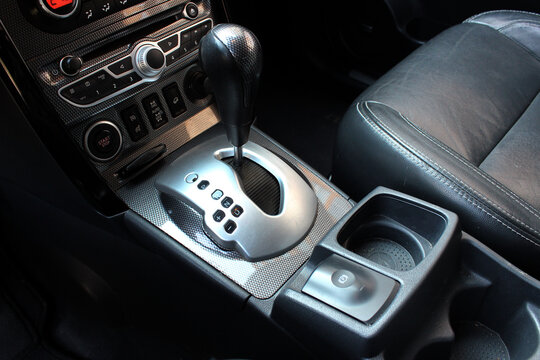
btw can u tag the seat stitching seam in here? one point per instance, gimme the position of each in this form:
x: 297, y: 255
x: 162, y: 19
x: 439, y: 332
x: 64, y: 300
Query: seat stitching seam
x: 450, y: 174
x: 507, y: 192
x: 500, y: 11
x: 521, y: 22
x: 440, y: 177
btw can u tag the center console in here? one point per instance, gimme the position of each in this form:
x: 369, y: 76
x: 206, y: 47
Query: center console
x: 156, y: 101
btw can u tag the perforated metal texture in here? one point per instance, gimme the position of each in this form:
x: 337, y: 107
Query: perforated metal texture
x: 387, y: 253
x: 261, y: 279
x: 476, y: 341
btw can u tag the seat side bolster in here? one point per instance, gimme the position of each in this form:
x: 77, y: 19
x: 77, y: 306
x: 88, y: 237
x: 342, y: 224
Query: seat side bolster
x: 399, y: 155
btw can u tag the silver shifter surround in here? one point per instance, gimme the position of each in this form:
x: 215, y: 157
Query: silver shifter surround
x: 257, y: 235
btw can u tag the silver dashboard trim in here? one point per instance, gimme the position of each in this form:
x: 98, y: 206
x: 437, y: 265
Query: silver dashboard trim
x: 258, y: 236
x: 184, y: 225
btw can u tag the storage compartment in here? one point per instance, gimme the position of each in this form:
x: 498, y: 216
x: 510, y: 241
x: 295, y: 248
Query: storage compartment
x: 458, y: 299
x: 494, y: 313
x: 392, y: 232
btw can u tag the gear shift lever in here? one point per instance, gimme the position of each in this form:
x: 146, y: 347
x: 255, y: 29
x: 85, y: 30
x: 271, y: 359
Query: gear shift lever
x: 231, y: 56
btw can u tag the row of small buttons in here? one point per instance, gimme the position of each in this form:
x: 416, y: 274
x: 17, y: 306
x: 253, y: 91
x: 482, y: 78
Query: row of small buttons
x: 93, y: 10
x: 133, y: 120
x: 218, y: 216
x: 189, y: 41
x: 101, y: 84
x: 97, y: 86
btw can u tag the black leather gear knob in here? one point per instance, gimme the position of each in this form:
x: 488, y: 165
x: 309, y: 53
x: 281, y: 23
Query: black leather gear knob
x: 231, y: 56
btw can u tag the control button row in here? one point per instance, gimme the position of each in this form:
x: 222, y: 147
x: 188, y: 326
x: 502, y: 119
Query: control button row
x: 230, y: 226
x: 93, y: 10
x: 101, y: 84
x: 189, y: 41
x: 133, y: 120
x: 97, y: 86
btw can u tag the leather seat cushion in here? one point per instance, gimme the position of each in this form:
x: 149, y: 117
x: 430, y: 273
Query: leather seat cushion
x: 457, y: 123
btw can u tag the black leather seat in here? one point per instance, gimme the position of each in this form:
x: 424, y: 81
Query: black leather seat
x: 457, y: 123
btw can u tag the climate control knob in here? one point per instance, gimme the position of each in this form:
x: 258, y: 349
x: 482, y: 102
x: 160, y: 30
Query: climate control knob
x: 149, y: 60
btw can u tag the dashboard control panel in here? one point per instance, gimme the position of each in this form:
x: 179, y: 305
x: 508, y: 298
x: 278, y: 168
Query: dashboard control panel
x: 145, y: 63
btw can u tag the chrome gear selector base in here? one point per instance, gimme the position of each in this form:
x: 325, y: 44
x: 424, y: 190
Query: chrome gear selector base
x: 231, y: 219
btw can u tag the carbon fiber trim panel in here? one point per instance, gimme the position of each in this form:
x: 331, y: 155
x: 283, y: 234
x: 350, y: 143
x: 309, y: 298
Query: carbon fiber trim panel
x: 261, y: 279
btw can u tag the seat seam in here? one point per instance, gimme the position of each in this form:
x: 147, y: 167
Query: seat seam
x: 500, y: 11
x: 501, y: 187
x: 518, y: 43
x: 440, y: 177
x: 449, y: 173
x: 527, y: 23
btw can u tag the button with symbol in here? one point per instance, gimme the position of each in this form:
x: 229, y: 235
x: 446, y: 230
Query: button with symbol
x: 191, y: 178
x: 130, y: 79
x: 216, y: 195
x: 203, y: 184
x: 88, y: 13
x: 155, y: 111
x: 227, y: 202
x: 219, y: 215
x: 132, y: 119
x: 172, y: 96
x: 121, y: 66
x: 169, y: 43
x: 173, y: 57
x: 230, y: 226
x: 343, y: 278
x: 191, y: 11
x: 237, y: 211
x: 124, y: 3
x: 105, y: 7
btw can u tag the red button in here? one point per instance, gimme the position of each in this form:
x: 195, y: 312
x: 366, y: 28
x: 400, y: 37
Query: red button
x: 55, y: 4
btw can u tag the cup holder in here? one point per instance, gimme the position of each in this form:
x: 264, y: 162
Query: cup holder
x: 386, y: 243
x: 487, y: 326
x: 392, y: 232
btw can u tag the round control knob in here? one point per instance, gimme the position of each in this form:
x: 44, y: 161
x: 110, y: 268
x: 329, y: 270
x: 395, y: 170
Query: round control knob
x: 70, y: 65
x: 150, y: 60
x: 59, y: 9
x: 191, y: 11
x: 103, y: 140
